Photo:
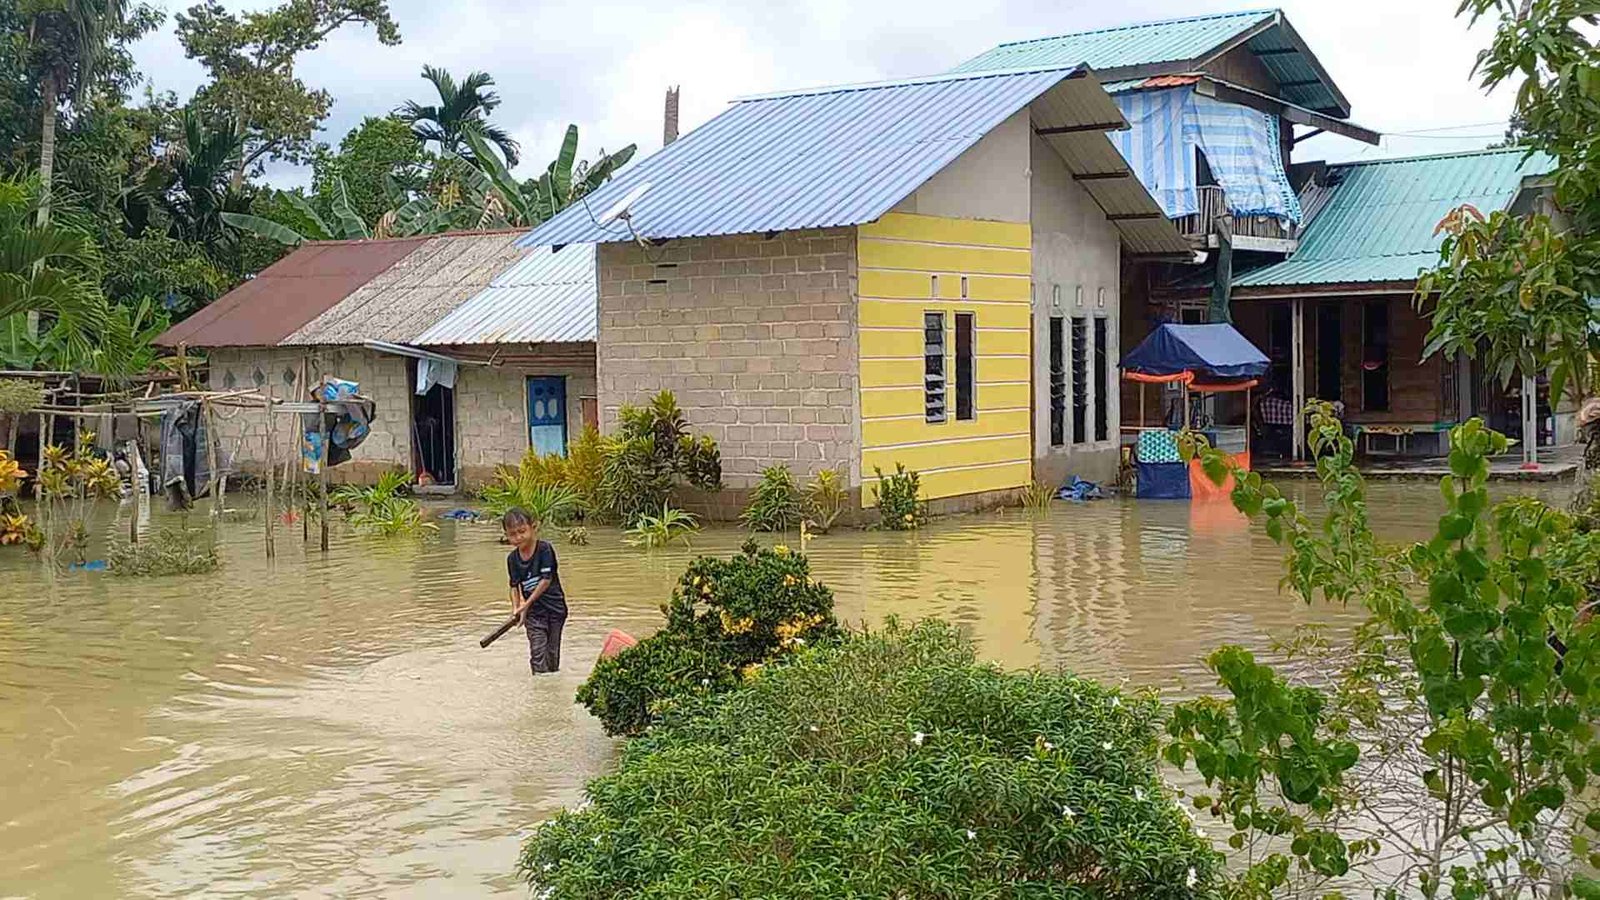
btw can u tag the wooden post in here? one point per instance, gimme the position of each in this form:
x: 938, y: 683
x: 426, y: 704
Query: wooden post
x: 133, y: 482
x: 322, y: 469
x: 1247, y: 424
x: 1530, y: 422
x: 41, y: 501
x: 1141, y: 405
x: 1297, y: 364
x: 209, y: 423
x: 301, y: 483
x: 272, y: 462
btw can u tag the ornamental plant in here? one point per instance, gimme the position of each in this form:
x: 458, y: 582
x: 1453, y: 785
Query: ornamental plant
x: 891, y: 764
x: 775, y: 503
x: 651, y: 453
x: 726, y: 619
x: 899, y: 499
x: 1446, y: 748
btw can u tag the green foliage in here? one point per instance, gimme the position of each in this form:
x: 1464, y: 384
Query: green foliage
x: 585, y: 472
x: 899, y: 499
x: 250, y: 61
x: 50, y: 269
x: 383, y: 508
x: 539, y: 484
x: 774, y: 503
x: 1037, y: 497
x: 724, y: 617
x: 373, y: 155
x: 578, y: 535
x: 825, y: 499
x: 461, y: 113
x: 891, y: 765
x: 176, y: 276
x: 18, y: 395
x: 561, y: 185
x: 1455, y: 681
x: 172, y: 551
x: 650, y: 453
x: 652, y: 530
x: 304, y: 222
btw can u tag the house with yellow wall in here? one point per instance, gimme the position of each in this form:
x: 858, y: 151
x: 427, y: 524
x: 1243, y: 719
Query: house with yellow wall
x: 920, y: 273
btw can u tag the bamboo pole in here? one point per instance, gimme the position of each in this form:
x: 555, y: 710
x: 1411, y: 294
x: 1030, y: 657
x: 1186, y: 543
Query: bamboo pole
x: 41, y: 501
x: 133, y: 482
x: 209, y: 422
x: 272, y: 461
x: 322, y: 470
x: 301, y: 482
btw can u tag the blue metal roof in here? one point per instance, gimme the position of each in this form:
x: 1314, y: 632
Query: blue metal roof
x: 1139, y: 44
x: 813, y: 159
x: 1180, y: 45
x: 547, y: 297
x: 1379, y: 223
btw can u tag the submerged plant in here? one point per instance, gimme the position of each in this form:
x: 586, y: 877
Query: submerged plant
x: 652, y: 531
x: 539, y: 484
x: 650, y: 453
x: 774, y: 503
x: 383, y: 508
x: 1037, y: 497
x: 578, y: 535
x: 69, y: 483
x: 899, y: 499
x: 171, y: 551
x: 825, y: 499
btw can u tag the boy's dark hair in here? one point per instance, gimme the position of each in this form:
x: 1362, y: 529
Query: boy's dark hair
x: 516, y: 515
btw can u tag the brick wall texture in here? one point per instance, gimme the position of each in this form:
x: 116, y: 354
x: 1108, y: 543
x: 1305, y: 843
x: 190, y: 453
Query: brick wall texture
x: 754, y: 336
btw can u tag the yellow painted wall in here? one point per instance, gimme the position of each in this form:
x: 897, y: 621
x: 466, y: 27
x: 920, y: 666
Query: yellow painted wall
x: 897, y: 257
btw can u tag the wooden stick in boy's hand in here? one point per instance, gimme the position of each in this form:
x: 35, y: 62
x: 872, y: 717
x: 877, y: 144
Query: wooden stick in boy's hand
x: 500, y: 632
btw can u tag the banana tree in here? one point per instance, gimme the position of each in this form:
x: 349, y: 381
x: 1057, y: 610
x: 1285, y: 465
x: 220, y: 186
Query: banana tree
x: 304, y: 222
x: 533, y: 201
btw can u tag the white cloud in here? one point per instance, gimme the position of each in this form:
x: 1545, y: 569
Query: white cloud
x: 605, y: 65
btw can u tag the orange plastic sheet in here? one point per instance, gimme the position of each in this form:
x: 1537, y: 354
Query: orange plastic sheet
x: 1203, y: 490
x: 1223, y: 387
x: 1181, y: 377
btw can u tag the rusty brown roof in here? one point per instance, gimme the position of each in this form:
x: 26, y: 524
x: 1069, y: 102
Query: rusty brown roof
x: 289, y: 293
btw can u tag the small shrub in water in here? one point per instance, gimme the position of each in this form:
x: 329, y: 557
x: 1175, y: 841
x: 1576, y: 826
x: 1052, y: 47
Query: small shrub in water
x: 893, y: 764
x: 775, y: 502
x: 825, y: 500
x: 725, y: 615
x: 1036, y: 497
x: 383, y: 508
x: 540, y: 484
x: 651, y: 452
x: 578, y: 535
x: 899, y: 500
x: 171, y: 551
x: 652, y: 531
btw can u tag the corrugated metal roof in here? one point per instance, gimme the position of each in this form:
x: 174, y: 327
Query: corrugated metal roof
x: 843, y: 156
x: 288, y: 294
x: 1138, y: 44
x: 547, y: 297
x: 408, y: 297
x: 1175, y: 45
x: 1379, y: 223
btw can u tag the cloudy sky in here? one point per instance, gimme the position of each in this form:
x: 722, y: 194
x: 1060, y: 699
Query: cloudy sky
x: 604, y: 64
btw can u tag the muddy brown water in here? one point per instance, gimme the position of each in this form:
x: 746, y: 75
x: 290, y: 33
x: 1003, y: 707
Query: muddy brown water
x: 326, y: 726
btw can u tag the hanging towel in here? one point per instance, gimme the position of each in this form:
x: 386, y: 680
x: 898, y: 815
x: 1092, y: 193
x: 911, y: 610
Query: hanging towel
x: 435, y: 371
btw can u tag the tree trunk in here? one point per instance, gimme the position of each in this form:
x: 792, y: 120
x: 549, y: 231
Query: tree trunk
x: 47, y: 146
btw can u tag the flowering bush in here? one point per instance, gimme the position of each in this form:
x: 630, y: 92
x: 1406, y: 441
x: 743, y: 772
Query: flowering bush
x: 888, y: 765
x: 899, y: 499
x: 726, y: 619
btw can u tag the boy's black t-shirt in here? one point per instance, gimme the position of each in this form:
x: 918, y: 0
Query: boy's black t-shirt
x: 527, y: 573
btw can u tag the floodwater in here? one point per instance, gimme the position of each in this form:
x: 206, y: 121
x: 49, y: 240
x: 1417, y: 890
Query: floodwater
x: 326, y: 726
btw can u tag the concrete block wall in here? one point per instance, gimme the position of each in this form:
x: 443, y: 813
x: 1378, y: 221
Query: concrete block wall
x: 492, y: 415
x: 755, y: 337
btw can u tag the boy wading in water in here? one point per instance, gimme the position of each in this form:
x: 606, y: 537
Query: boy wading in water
x: 536, y: 593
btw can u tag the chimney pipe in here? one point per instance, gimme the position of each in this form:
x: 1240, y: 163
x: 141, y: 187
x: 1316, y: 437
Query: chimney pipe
x: 669, y: 127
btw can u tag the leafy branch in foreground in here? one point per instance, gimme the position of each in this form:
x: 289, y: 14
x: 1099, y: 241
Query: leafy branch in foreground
x: 1448, y: 746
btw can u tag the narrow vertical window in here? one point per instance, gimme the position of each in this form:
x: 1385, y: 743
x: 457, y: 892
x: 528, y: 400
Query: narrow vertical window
x: 966, y: 383
x: 1080, y: 379
x: 1102, y: 389
x: 1058, y: 381
x: 933, y: 366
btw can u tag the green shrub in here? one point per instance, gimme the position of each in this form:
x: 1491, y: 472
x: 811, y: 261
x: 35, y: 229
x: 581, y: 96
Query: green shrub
x: 775, y: 502
x: 658, y: 530
x: 724, y: 616
x: 1037, y: 497
x: 586, y: 465
x: 891, y: 765
x: 899, y: 499
x: 825, y: 499
x: 18, y: 395
x: 172, y: 551
x: 651, y: 452
x: 383, y: 508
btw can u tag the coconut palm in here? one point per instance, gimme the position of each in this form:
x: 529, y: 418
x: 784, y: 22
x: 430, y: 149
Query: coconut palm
x: 67, y: 39
x: 462, y: 110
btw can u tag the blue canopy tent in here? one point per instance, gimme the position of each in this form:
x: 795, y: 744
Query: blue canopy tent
x: 1184, y: 354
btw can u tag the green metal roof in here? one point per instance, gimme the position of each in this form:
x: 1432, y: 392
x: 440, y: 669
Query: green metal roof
x: 1379, y: 223
x: 1180, y: 45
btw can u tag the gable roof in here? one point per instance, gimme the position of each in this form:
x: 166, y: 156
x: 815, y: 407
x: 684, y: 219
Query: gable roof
x: 402, y: 301
x: 546, y: 297
x: 845, y: 155
x: 288, y: 294
x: 1378, y: 224
x: 1177, y: 46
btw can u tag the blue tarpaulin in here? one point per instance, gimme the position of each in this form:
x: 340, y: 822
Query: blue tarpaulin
x: 1216, y: 350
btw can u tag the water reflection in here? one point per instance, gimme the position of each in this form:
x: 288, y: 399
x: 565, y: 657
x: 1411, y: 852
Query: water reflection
x: 327, y: 726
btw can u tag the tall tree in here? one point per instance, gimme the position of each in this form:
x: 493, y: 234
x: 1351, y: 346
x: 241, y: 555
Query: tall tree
x: 372, y: 154
x: 463, y: 109
x: 250, y: 59
x: 68, y: 38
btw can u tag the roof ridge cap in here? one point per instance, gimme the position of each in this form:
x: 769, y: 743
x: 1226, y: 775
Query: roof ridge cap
x: 1262, y: 12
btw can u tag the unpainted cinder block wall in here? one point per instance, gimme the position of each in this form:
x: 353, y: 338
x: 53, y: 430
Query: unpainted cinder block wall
x: 755, y: 337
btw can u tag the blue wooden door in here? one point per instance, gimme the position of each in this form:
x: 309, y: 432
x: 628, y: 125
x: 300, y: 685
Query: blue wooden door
x: 547, y: 414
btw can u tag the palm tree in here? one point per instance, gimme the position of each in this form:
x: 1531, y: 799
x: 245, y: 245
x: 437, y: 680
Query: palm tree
x: 191, y: 184
x: 304, y: 223
x: 462, y: 110
x: 47, y: 268
x: 68, y: 38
